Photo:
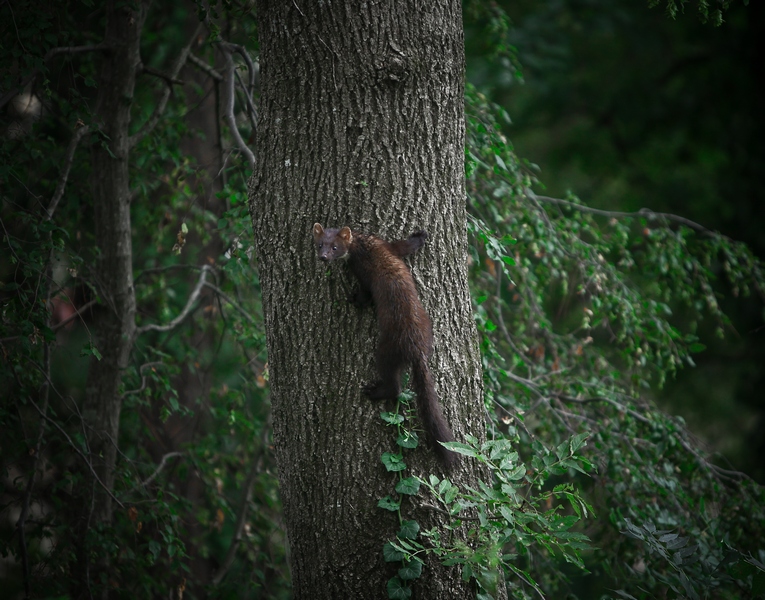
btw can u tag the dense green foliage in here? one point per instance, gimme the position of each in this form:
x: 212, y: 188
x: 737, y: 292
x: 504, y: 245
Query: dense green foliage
x: 583, y: 315
x: 195, y: 476
x: 574, y: 308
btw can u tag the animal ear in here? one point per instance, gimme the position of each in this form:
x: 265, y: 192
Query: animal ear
x: 346, y: 235
x: 318, y: 231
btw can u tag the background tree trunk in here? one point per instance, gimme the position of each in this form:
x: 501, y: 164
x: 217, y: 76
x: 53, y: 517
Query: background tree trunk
x: 115, y: 326
x: 361, y: 124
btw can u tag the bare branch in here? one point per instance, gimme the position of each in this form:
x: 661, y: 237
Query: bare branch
x: 228, y: 107
x: 203, y: 66
x: 231, y: 301
x: 157, y: 73
x: 79, y: 132
x: 153, y: 270
x: 186, y: 309
x: 257, y: 465
x: 78, y: 451
x: 251, y: 112
x: 160, y: 466
x: 77, y: 314
x: 643, y: 212
x: 159, y: 110
x: 143, y: 377
x: 242, y: 51
x: 45, y: 395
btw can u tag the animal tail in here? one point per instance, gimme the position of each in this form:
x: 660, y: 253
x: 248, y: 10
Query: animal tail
x: 431, y: 414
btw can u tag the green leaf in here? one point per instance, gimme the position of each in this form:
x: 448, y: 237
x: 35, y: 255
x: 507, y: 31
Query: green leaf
x: 460, y: 448
x: 409, y: 486
x: 408, y: 439
x: 392, y: 418
x: 389, y: 503
x: 398, y: 590
x: 409, y: 530
x: 579, y: 440
x: 391, y: 554
x: 90, y: 350
x: 411, y: 570
x: 393, y: 462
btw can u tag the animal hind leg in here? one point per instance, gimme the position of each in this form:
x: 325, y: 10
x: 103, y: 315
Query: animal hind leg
x: 389, y: 369
x: 410, y: 245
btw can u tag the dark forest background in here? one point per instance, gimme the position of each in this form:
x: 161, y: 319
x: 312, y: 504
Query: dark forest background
x: 614, y: 157
x: 629, y: 108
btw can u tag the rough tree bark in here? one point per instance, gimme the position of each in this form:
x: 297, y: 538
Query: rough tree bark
x: 361, y: 124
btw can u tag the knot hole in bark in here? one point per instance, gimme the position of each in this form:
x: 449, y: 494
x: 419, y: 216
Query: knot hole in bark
x: 352, y: 135
x: 393, y: 68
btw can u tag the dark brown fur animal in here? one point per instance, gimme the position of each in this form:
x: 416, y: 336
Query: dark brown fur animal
x: 406, y: 335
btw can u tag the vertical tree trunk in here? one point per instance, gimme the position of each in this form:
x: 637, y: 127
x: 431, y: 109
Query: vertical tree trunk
x: 361, y: 124
x: 115, y: 327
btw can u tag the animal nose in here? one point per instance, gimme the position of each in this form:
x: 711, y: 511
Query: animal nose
x: 323, y: 258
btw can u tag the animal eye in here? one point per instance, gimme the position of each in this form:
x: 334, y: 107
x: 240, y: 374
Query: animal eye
x: 334, y: 247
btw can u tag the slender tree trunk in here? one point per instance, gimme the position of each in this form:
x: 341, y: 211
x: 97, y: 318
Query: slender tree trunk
x: 115, y: 326
x: 361, y: 124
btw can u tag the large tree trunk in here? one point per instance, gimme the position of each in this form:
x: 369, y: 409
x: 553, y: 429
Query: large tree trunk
x: 361, y: 124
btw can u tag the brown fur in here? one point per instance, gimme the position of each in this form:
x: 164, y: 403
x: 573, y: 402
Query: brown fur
x: 406, y: 334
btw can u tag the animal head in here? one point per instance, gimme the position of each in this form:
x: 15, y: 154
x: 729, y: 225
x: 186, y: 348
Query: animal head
x: 331, y: 244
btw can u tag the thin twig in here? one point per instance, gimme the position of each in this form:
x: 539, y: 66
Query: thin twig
x: 169, y: 79
x: 159, y: 110
x: 45, y: 395
x: 203, y: 66
x: 160, y: 466
x: 153, y: 270
x: 143, y: 377
x: 257, y: 466
x: 78, y: 451
x: 643, y: 212
x: 231, y: 301
x: 68, y: 160
x: 186, y: 309
x: 77, y: 313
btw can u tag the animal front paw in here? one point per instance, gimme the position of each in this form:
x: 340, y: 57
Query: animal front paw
x: 360, y: 298
x: 377, y: 390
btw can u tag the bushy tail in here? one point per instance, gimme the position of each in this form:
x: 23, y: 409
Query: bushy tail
x: 431, y: 414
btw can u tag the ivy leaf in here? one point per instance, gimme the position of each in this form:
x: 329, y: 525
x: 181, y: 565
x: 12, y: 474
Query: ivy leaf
x: 392, y: 418
x: 409, y: 530
x: 398, y: 590
x: 388, y: 503
x: 393, y: 462
x: 408, y: 439
x: 409, y: 486
x: 411, y: 570
x: 391, y: 554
